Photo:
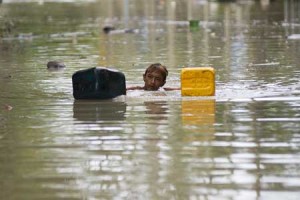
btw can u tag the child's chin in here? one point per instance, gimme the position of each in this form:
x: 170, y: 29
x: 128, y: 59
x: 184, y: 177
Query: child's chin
x: 151, y: 89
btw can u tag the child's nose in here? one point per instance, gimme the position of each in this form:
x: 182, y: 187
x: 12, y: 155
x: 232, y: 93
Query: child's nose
x: 153, y: 80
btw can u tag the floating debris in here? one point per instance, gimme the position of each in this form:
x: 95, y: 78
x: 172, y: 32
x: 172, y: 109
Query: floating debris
x: 31, y: 36
x: 264, y: 64
x: 8, y: 107
x: 69, y: 34
x: 170, y: 22
x: 183, y: 23
x: 107, y: 29
x: 120, y: 31
x: 294, y: 37
x: 285, y: 24
x: 25, y: 36
x: 21, y: 37
x: 55, y: 65
x: 8, y: 77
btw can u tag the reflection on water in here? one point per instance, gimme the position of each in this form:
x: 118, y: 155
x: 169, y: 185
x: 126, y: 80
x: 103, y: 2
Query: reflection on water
x: 198, y: 116
x: 99, y: 110
x: 199, y: 112
x: 241, y: 144
x: 156, y: 110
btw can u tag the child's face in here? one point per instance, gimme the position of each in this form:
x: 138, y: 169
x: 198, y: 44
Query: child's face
x: 153, y: 80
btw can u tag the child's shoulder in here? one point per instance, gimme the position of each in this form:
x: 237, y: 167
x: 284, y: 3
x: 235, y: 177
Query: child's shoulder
x: 170, y: 89
x: 135, y: 88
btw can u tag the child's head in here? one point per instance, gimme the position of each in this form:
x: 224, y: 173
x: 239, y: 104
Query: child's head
x: 155, y: 76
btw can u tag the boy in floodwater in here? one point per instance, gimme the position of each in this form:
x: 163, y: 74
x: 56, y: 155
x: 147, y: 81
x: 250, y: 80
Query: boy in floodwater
x: 154, y: 78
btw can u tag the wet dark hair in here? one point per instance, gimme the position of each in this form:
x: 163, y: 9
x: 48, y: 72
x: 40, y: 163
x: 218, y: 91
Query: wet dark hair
x: 160, y: 67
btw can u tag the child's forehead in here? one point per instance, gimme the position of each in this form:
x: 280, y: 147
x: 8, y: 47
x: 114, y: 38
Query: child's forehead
x: 155, y: 73
x: 155, y: 69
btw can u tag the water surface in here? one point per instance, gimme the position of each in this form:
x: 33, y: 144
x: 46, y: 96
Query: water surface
x: 241, y: 144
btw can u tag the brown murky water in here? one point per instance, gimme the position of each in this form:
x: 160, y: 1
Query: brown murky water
x: 242, y: 144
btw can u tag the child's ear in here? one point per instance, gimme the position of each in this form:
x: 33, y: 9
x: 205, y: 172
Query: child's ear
x: 163, y: 83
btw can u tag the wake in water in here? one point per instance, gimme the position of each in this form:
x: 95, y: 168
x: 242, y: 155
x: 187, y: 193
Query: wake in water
x: 238, y: 91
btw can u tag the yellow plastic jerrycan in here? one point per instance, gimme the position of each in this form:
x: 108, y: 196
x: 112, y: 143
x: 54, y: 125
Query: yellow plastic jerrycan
x: 198, y: 81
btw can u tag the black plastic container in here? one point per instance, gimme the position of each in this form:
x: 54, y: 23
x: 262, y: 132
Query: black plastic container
x: 98, y: 83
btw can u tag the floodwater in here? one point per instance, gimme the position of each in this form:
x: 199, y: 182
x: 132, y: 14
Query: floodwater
x: 244, y: 143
